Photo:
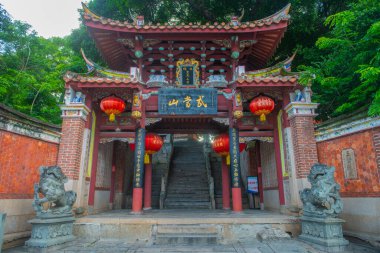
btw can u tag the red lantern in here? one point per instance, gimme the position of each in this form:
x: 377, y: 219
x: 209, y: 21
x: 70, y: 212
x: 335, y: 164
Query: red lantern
x: 112, y: 106
x: 221, y: 144
x: 153, y: 144
x: 261, y: 106
x: 242, y: 147
x: 132, y: 146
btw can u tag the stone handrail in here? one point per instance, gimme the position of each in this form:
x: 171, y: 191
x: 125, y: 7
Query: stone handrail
x: 210, y: 179
x: 164, y: 179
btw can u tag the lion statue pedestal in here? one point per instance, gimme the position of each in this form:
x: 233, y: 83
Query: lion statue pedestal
x: 321, y: 206
x: 53, y: 224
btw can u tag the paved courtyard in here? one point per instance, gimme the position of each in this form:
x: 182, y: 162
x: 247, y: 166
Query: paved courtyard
x: 118, y: 246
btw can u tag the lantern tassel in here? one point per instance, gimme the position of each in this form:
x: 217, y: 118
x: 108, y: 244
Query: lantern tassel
x: 112, y: 117
x: 228, y: 159
x: 146, y: 159
x: 262, y: 117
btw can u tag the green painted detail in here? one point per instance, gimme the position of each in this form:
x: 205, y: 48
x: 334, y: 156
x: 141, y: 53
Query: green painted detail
x: 221, y: 70
x: 152, y: 71
x: 211, y: 71
x: 203, y: 55
x: 139, y: 54
x: 212, y: 59
x: 170, y: 55
x: 162, y: 59
x: 161, y: 48
x: 171, y: 66
x: 222, y: 59
x: 203, y: 66
x: 192, y: 48
x: 235, y: 54
x: 181, y: 48
x: 212, y: 48
x: 223, y: 48
x: 163, y: 71
x: 150, y: 59
x: 150, y: 48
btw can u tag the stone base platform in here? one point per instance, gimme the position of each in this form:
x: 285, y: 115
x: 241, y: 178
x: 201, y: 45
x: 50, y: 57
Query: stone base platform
x: 182, y: 226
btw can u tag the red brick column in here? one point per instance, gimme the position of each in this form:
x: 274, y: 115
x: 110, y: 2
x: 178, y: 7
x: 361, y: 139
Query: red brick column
x: 70, y: 148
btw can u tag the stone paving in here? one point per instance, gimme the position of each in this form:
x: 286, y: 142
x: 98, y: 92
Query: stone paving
x: 254, y: 246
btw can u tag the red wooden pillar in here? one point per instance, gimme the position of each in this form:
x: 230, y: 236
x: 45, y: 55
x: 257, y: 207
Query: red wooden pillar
x: 260, y: 175
x: 277, y: 151
x: 138, y: 179
x: 237, y: 205
x: 148, y: 185
x: 113, y: 174
x: 225, y: 185
x: 91, y: 196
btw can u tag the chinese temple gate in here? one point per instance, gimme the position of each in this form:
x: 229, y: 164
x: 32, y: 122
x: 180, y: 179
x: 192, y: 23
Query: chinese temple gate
x: 191, y: 78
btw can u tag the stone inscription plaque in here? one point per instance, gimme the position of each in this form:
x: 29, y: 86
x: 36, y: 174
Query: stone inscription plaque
x: 349, y: 164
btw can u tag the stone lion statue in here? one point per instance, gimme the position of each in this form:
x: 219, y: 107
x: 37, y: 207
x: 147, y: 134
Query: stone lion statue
x: 56, y: 201
x: 323, y: 198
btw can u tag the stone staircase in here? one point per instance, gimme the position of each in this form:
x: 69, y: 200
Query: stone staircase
x: 187, y: 183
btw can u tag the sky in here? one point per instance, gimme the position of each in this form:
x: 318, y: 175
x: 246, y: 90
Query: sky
x: 47, y: 17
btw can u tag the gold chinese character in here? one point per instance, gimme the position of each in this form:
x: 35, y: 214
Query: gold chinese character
x: 200, y: 102
x: 187, y: 101
x: 173, y: 102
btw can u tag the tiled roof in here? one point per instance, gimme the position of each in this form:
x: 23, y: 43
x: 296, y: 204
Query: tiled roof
x: 74, y: 77
x: 276, y: 18
x: 265, y: 80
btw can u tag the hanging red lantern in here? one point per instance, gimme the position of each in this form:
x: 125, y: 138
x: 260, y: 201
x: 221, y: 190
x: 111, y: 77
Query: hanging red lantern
x: 153, y: 144
x: 132, y: 146
x: 221, y: 145
x: 261, y: 106
x: 112, y: 106
x: 242, y: 147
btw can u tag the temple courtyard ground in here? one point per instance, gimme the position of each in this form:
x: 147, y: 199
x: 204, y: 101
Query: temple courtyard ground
x: 186, y: 231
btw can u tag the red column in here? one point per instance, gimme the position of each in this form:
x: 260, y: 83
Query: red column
x: 138, y: 180
x: 148, y: 185
x: 113, y: 174
x: 280, y: 182
x: 225, y: 185
x: 260, y: 175
x: 137, y: 200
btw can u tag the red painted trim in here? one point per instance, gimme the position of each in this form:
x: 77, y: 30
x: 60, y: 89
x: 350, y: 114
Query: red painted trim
x: 280, y: 180
x: 91, y: 195
x: 148, y: 185
x: 237, y: 204
x: 117, y: 135
x: 16, y: 196
x: 360, y: 194
x: 137, y: 200
x: 225, y: 185
x: 256, y: 134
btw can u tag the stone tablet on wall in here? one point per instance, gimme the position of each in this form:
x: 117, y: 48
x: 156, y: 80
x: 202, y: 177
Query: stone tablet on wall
x: 349, y: 164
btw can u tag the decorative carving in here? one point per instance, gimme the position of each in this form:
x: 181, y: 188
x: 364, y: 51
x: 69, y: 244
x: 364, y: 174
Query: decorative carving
x: 187, y: 73
x: 223, y: 43
x: 323, y: 199
x: 151, y: 121
x: 51, y: 186
x: 150, y: 42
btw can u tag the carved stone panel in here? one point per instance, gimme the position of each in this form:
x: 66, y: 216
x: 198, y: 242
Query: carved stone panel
x: 349, y: 164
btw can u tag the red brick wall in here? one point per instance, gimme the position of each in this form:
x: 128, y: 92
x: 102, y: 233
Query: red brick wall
x: 367, y: 158
x: 305, y: 150
x: 21, y: 156
x: 70, y: 149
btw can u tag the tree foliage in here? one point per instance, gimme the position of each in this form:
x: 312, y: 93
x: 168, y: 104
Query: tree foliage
x: 31, y: 69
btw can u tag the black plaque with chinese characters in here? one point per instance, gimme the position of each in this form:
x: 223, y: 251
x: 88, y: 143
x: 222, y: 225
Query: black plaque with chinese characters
x: 177, y: 101
x: 235, y: 157
x: 187, y: 75
x: 138, y: 179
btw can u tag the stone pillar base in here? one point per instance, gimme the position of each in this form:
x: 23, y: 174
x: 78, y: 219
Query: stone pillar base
x: 324, y: 233
x: 50, y: 232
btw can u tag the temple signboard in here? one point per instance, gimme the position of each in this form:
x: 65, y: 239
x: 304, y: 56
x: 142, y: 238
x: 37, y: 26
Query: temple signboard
x: 176, y: 101
x: 187, y: 73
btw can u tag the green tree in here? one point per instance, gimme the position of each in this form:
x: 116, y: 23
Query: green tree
x: 31, y: 69
x: 347, y: 61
